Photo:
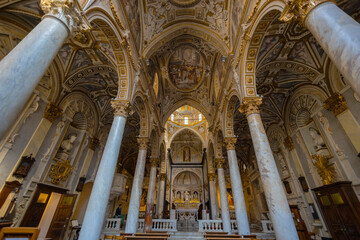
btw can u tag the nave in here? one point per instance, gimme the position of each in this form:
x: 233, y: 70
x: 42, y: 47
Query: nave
x: 180, y: 119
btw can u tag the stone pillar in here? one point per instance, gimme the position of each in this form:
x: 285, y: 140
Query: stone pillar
x: 32, y: 56
x: 212, y: 194
x: 225, y: 215
x: 337, y: 33
x: 136, y: 191
x: 237, y: 190
x: 274, y: 192
x: 99, y: 198
x: 151, y: 195
x: 160, y: 201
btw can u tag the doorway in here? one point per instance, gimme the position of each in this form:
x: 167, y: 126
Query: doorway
x: 299, y: 223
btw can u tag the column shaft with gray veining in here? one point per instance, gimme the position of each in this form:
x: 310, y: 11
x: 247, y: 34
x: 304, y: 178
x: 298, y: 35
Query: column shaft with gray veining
x: 136, y: 191
x: 225, y: 214
x: 274, y: 192
x: 99, y: 198
x: 336, y: 32
x: 22, y: 69
x: 160, y: 201
x: 237, y: 189
x: 150, y: 195
x: 213, y: 195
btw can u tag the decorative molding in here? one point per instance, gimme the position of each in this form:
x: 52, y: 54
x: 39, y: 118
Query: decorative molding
x: 230, y: 143
x: 288, y: 142
x: 298, y: 10
x: 52, y: 112
x: 60, y: 172
x: 336, y: 103
x: 219, y: 162
x: 250, y: 106
x: 325, y: 169
x: 121, y: 108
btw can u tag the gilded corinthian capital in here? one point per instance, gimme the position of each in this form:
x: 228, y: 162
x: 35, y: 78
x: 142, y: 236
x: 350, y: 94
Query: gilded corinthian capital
x: 67, y: 11
x: 336, y: 103
x: 250, y: 105
x: 52, y: 112
x: 219, y: 162
x: 230, y: 143
x: 299, y: 9
x: 121, y: 108
x: 143, y: 142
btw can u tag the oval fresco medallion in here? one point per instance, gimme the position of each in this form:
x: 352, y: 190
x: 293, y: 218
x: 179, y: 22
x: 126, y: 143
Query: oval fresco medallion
x: 186, y: 68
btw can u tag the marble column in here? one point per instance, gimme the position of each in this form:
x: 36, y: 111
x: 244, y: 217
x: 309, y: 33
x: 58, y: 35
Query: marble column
x: 274, y: 192
x: 237, y: 189
x: 151, y: 195
x: 337, y: 33
x: 136, y: 191
x: 225, y: 215
x: 99, y: 198
x: 22, y: 69
x: 213, y: 195
x: 160, y: 201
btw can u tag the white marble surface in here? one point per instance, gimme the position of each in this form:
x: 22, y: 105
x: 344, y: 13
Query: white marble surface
x: 339, y: 35
x: 238, y: 194
x: 160, y: 201
x: 274, y: 192
x: 225, y: 215
x: 213, y: 199
x: 150, y: 195
x: 95, y: 211
x: 136, y: 191
x: 24, y: 66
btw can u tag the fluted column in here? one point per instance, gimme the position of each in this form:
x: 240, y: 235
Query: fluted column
x: 337, y: 33
x: 237, y: 190
x: 212, y: 195
x: 136, y: 191
x: 225, y: 215
x: 151, y: 195
x: 160, y: 201
x: 22, y: 69
x: 95, y: 211
x: 274, y: 192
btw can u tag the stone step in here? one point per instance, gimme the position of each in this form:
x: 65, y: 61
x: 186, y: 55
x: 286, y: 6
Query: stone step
x: 187, y: 235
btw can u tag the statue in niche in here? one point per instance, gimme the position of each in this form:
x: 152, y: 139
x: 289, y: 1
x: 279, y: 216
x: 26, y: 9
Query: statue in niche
x: 178, y: 195
x: 283, y: 165
x: 317, y: 139
x: 196, y: 196
x: 187, y: 196
x: 66, y: 146
x: 186, y: 154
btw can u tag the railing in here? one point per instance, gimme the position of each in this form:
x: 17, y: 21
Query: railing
x: 112, y: 225
x: 267, y: 226
x: 167, y: 225
x: 215, y: 226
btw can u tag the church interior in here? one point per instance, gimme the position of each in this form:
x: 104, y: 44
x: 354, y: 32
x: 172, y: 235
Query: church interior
x: 180, y: 119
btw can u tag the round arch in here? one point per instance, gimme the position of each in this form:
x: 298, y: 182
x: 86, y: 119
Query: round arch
x: 187, y: 128
x: 256, y: 33
x: 229, y: 114
x: 143, y: 111
x: 190, y: 28
x: 183, y: 102
x: 106, y: 24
